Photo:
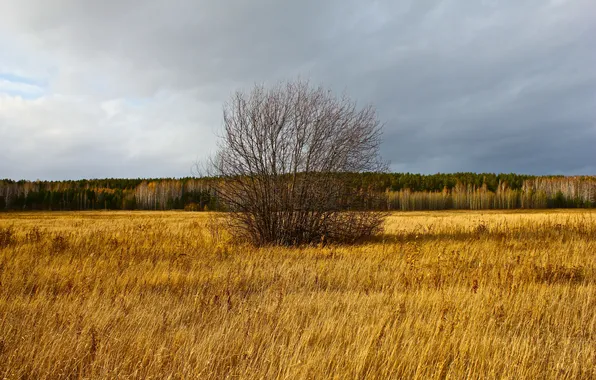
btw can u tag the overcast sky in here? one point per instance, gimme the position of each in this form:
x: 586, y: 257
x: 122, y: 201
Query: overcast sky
x: 122, y: 88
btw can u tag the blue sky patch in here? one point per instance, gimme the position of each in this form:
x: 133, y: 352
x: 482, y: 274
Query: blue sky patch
x: 27, y: 88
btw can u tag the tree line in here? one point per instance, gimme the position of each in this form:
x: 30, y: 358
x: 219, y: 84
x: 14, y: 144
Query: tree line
x: 109, y: 194
x: 402, y: 191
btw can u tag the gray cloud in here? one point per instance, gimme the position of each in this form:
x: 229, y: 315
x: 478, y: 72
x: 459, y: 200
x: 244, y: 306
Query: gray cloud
x: 135, y: 88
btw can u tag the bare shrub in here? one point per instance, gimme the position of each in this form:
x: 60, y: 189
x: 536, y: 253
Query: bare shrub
x: 284, y: 163
x: 192, y: 207
x: 34, y: 235
x: 481, y: 229
x: 59, y: 242
x: 552, y: 274
x: 6, y: 236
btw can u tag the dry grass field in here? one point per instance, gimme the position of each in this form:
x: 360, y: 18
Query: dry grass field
x: 170, y: 295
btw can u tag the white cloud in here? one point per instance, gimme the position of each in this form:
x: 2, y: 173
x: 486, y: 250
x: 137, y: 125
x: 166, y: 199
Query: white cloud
x: 104, y: 139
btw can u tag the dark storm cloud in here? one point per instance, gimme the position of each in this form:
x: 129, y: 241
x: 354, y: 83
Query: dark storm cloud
x: 135, y: 88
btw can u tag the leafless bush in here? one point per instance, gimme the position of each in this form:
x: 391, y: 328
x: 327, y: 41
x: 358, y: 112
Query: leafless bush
x: 34, y: 235
x: 59, y: 242
x: 284, y: 163
x: 6, y: 236
x: 481, y: 229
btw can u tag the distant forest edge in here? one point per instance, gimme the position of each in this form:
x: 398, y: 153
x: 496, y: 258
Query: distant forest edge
x: 401, y: 191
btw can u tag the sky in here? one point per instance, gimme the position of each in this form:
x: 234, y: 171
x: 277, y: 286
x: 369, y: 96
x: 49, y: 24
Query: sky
x: 122, y: 88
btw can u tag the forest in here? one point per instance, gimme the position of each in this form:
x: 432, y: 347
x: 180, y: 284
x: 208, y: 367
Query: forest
x: 400, y: 191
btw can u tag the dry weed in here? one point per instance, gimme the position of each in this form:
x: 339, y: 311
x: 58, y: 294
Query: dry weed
x: 171, y: 295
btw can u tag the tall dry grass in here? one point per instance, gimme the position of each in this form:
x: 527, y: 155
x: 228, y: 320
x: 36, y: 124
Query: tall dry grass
x: 168, y: 295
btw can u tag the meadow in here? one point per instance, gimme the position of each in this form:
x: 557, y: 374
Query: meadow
x: 468, y: 294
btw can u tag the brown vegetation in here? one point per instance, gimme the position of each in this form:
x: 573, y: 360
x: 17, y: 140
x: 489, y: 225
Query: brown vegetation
x: 283, y: 161
x: 158, y: 295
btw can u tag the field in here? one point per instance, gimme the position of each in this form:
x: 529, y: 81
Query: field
x: 171, y: 295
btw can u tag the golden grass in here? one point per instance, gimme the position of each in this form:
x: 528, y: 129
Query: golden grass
x: 167, y: 295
